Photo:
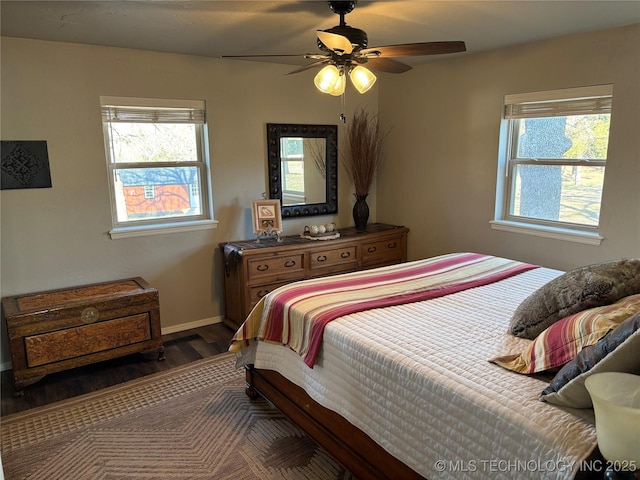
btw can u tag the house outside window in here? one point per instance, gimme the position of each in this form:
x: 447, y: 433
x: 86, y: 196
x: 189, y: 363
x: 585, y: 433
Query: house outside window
x: 552, y: 162
x: 158, y: 165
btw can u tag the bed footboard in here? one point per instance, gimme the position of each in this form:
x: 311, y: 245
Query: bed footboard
x: 355, y: 450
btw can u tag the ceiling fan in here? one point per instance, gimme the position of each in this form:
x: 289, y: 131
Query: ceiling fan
x: 345, y: 51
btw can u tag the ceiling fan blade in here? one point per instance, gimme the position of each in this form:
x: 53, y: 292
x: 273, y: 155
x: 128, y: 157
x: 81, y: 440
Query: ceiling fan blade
x: 384, y: 65
x: 339, y: 44
x: 307, y: 67
x: 257, y: 55
x: 415, y: 49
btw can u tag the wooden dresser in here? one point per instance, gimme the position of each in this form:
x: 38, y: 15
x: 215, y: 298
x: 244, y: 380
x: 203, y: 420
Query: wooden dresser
x: 61, y: 329
x: 254, y: 269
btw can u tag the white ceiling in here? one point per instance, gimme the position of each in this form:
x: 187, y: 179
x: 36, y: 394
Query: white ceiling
x: 217, y: 28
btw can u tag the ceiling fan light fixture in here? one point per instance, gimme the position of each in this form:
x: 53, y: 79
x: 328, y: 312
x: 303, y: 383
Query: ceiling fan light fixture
x: 327, y: 79
x: 362, y: 78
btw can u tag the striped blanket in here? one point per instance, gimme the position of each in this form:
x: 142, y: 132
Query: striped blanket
x: 296, y: 314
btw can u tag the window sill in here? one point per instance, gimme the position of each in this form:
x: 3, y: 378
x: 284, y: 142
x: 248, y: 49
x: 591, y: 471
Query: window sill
x: 141, y: 231
x: 587, y: 238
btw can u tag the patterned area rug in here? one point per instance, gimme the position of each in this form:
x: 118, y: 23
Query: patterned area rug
x: 192, y: 422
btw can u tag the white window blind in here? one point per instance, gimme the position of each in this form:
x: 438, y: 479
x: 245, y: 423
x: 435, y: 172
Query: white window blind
x: 152, y: 110
x: 113, y: 113
x: 586, y: 101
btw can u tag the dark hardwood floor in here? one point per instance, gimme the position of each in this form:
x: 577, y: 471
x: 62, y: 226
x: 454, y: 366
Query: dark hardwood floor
x: 180, y: 348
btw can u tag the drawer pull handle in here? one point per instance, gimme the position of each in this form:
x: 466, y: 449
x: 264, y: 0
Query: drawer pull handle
x: 90, y: 315
x: 345, y: 254
x: 290, y: 263
x: 262, y: 293
x: 392, y: 245
x: 262, y: 268
x: 321, y: 258
x: 371, y: 249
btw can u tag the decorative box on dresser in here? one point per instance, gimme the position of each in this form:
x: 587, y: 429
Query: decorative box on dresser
x: 60, y: 329
x: 254, y: 269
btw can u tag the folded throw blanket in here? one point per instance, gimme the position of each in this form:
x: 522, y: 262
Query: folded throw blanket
x: 296, y: 314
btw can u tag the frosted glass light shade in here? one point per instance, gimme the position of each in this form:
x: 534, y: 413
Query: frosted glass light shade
x: 616, y: 403
x: 328, y: 80
x: 340, y: 85
x: 362, y: 78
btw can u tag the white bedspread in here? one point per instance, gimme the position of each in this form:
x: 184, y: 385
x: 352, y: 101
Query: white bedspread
x: 416, y: 379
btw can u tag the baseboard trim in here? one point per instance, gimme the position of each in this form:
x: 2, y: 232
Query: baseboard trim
x: 189, y: 325
x: 165, y: 331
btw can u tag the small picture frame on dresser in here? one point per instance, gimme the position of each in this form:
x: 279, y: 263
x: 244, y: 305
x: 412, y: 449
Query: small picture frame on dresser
x: 266, y: 216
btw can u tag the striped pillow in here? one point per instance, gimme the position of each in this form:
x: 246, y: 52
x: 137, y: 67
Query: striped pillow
x: 562, y: 341
x: 616, y: 352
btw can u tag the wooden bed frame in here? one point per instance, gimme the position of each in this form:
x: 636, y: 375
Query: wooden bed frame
x: 349, y: 445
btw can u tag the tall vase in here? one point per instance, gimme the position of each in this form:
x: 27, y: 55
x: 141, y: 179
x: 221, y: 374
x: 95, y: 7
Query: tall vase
x: 361, y: 212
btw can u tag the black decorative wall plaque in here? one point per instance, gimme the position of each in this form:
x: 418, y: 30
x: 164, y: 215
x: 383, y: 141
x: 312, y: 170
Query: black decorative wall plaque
x: 25, y: 164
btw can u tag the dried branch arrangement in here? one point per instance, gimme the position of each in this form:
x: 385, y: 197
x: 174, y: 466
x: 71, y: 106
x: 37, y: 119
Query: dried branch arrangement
x: 317, y: 150
x: 363, y: 150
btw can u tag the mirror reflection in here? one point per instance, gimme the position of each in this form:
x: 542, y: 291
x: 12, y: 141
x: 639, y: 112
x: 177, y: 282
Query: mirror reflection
x: 303, y: 168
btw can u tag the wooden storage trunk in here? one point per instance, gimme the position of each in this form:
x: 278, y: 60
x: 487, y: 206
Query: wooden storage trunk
x: 61, y: 329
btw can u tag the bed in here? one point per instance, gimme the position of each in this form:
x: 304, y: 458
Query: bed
x: 406, y: 389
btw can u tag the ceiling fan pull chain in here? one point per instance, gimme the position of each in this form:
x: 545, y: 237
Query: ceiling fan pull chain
x: 343, y: 102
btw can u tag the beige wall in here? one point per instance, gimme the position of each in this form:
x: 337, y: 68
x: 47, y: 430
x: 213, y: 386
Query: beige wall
x: 443, y: 147
x: 57, y: 237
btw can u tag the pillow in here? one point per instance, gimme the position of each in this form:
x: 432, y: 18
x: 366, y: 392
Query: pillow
x: 562, y: 341
x: 575, y: 291
x: 616, y: 352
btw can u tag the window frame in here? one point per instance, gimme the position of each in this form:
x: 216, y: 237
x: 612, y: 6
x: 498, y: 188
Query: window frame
x: 148, y: 226
x: 508, y: 162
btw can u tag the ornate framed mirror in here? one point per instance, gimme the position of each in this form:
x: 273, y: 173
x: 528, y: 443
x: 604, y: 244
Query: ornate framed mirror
x: 303, y: 168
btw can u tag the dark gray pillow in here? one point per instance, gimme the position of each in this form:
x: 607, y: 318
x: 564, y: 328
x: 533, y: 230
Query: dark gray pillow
x: 585, y: 287
x: 616, y: 352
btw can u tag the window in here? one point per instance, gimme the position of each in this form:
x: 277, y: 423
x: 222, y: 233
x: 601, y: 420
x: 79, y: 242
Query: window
x: 292, y: 170
x: 157, y: 164
x: 552, y: 163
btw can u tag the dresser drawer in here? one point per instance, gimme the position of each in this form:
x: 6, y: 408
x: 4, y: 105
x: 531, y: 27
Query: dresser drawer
x: 259, y: 291
x: 381, y: 252
x: 331, y: 257
x: 276, y: 267
x: 60, y: 345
